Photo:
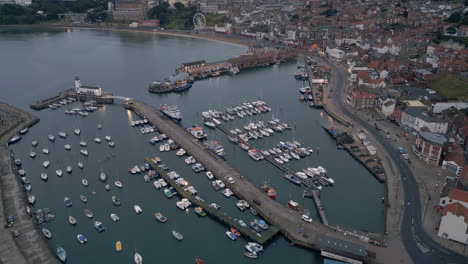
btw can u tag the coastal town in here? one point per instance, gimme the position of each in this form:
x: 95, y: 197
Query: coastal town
x: 391, y: 77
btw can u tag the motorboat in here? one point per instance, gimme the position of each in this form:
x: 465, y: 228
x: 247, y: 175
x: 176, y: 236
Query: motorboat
x: 235, y: 231
x: 292, y: 179
x: 88, y: 213
x: 67, y: 201
x: 161, y: 218
x: 253, y: 211
x: 103, y: 176
x: 81, y: 238
x: 116, y: 200
x: 72, y: 220
x: 107, y: 187
x: 168, y: 193
x: 45, y: 151
x: 181, y: 152
x: 118, y: 246
x: 200, y: 211
x: 199, y: 261
x: 77, y: 131
x: 51, y: 137
x: 167, y: 147
x: 61, y: 254
x: 59, y: 173
x: 255, y: 154
x: 177, y: 235
x: 44, y: 176
x: 31, y: 198
x: 271, y: 193
x: 251, y: 255
x: 107, y: 138
x: 137, y: 209
x: 32, y: 154
x: 118, y: 184
x: 227, y: 192
x: 262, y: 224
x: 83, y: 143
x: 67, y: 146
x: 84, y: 152
x: 99, y: 226
x: 34, y: 143
x: 80, y: 165
x: 138, y: 258
x: 209, y: 124
x: 97, y: 140
x: 231, y: 235
x: 111, y: 144
x: 244, y: 146
x: 83, y: 198
x: 209, y: 175
x: 99, y: 126
x: 84, y: 182
x: 197, y: 167
x: 215, y: 206
x: 69, y: 169
x: 114, y: 217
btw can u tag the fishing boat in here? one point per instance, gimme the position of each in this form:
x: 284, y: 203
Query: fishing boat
x: 88, y: 213
x: 72, y: 220
x: 197, y: 132
x: 84, y: 152
x: 32, y: 154
x: 80, y: 165
x: 168, y: 193
x: 61, y: 254
x: 118, y: 246
x: 83, y: 198
x: 84, y: 182
x: 161, y: 218
x: 99, y: 226
x: 138, y: 258
x: 171, y: 112
x: 44, y: 176
x: 271, y: 193
x: 292, y: 179
x: 231, y: 235
x: 114, y: 217
x: 77, y: 131
x: 83, y: 143
x: 59, y: 173
x: 102, y: 177
x: 177, y: 235
x: 200, y: 211
x: 31, y: 198
x: 118, y: 184
x: 116, y: 201
x: 235, y: 231
x: 67, y: 201
x: 137, y: 209
x: 45, y: 151
x: 81, y: 238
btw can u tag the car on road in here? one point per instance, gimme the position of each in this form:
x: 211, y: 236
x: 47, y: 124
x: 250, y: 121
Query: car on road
x: 306, y: 218
x: 229, y: 179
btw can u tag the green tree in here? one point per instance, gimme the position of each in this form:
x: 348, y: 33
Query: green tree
x: 455, y: 17
x: 179, y: 6
x: 451, y: 30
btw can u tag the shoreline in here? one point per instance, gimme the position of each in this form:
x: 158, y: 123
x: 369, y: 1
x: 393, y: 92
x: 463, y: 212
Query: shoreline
x: 214, y: 37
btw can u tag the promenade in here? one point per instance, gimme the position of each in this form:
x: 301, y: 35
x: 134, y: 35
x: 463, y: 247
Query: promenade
x: 29, y: 246
x: 288, y: 221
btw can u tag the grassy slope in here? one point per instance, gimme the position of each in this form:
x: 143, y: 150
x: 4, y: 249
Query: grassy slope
x: 450, y: 86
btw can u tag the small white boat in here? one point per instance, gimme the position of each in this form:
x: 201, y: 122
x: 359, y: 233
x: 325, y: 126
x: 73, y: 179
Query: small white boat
x: 69, y: 169
x: 111, y: 144
x: 84, y: 182
x: 167, y: 147
x: 77, y: 131
x: 80, y: 165
x: 161, y: 147
x: 118, y: 184
x: 67, y: 147
x: 209, y: 124
x: 97, y: 140
x: 137, y: 209
x: 107, y: 138
x: 46, y: 164
x: 84, y: 152
x: 44, y: 176
x: 99, y: 126
x: 59, y: 172
x: 114, y: 217
x: 45, y: 151
x: 62, y: 134
x: 32, y: 154
x: 34, y: 143
x: 51, y: 137
x: 209, y: 175
x: 138, y: 259
x: 83, y: 143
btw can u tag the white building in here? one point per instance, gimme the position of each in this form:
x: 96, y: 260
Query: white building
x: 438, y: 107
x: 455, y: 196
x: 415, y: 118
x: 454, y: 223
x: 386, y: 106
x: 88, y: 90
x: 335, y: 53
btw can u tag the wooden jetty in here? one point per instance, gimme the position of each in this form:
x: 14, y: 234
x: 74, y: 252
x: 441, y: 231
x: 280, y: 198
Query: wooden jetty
x: 316, y: 94
x: 261, y: 238
x: 310, y: 235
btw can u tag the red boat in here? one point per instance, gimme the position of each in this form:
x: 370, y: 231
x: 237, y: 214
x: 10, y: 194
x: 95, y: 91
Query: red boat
x: 233, y: 230
x: 199, y: 261
x: 271, y: 193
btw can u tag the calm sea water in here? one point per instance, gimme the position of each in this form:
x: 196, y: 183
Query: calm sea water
x: 37, y: 64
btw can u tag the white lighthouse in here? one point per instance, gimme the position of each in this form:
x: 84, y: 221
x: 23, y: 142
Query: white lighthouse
x: 77, y: 83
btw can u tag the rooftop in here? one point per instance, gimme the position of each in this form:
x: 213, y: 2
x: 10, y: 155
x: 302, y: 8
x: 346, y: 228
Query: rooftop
x: 437, y: 139
x: 459, y: 195
x: 338, y: 244
x: 457, y: 209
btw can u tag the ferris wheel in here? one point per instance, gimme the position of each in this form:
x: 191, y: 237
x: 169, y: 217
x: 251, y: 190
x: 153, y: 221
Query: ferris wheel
x: 199, y: 21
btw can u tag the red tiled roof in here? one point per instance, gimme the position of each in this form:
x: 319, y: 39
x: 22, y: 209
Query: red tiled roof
x: 397, y: 113
x: 456, y: 157
x: 459, y: 195
x: 457, y: 209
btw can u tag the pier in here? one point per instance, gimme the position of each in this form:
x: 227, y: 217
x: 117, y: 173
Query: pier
x: 288, y: 221
x: 30, y: 246
x: 106, y: 98
x: 316, y: 94
x: 228, y: 221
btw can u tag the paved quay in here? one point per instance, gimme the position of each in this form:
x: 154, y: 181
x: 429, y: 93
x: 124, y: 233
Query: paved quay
x: 30, y: 246
x: 289, y: 222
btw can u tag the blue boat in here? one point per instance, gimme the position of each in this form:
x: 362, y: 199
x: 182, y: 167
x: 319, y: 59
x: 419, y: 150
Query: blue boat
x: 81, y: 238
x: 14, y: 139
x: 67, y: 201
x: 99, y: 226
x: 61, y: 254
x: 171, y: 112
x: 182, y: 86
x: 293, y: 179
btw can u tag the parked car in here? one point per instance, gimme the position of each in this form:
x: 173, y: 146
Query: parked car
x: 306, y: 218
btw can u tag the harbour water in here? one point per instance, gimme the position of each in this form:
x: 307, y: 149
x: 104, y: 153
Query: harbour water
x: 37, y: 64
